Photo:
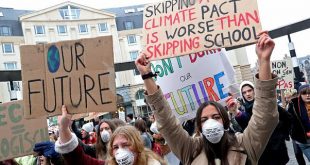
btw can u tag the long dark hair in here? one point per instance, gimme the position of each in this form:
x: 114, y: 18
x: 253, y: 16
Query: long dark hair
x: 101, y: 147
x: 219, y: 150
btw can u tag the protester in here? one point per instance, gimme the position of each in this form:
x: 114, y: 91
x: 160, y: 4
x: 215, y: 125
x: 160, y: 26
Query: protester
x: 125, y: 147
x: 118, y: 122
x: 217, y: 146
x: 47, y: 153
x: 276, y: 150
x: 300, y: 109
x: 130, y: 120
x: 88, y: 135
x: 140, y: 124
x: 104, y: 133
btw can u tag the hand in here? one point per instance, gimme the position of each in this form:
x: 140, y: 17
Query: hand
x: 143, y: 64
x: 264, y: 46
x: 47, y: 149
x: 64, y: 121
x: 308, y: 134
x: 231, y: 105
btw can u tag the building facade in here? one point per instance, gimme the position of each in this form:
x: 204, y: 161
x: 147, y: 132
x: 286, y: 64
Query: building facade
x: 11, y: 37
x: 69, y: 21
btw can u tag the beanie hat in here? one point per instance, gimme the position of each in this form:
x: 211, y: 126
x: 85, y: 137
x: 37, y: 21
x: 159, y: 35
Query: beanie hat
x: 303, y: 87
x: 249, y: 83
x: 88, y: 127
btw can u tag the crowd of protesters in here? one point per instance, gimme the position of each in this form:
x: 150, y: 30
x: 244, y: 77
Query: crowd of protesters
x: 252, y: 129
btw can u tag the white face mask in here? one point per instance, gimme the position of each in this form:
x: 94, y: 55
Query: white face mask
x: 105, y: 136
x: 124, y: 157
x: 213, y: 130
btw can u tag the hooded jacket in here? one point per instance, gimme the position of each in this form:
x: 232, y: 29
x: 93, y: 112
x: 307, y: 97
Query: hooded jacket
x: 276, y: 151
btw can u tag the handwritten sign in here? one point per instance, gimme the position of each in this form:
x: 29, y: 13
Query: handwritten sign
x: 284, y: 70
x: 180, y: 27
x: 79, y: 74
x: 189, y: 81
x: 18, y: 135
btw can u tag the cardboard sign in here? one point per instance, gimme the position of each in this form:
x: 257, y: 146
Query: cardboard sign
x: 284, y: 70
x: 179, y: 27
x: 79, y: 74
x: 18, y: 135
x: 188, y: 81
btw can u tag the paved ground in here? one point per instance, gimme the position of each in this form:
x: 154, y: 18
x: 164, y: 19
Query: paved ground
x: 291, y: 154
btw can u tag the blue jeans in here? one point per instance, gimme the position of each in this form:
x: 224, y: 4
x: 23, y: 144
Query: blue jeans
x: 298, y: 154
x: 305, y: 148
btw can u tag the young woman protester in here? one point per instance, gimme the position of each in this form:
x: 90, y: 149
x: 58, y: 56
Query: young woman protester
x: 217, y: 145
x: 125, y: 147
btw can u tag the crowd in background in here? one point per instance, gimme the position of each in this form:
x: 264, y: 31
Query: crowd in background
x: 247, y: 130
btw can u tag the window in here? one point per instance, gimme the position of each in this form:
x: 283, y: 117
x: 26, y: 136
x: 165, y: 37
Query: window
x: 5, y: 31
x: 103, y: 27
x: 69, y: 12
x: 128, y: 25
x: 10, y: 65
x: 140, y: 94
x: 62, y: 29
x: 39, y: 29
x: 83, y: 28
x: 16, y: 86
x: 133, y: 55
x: 8, y: 47
x: 1, y: 14
x: 140, y: 9
x: 129, y: 11
x: 131, y: 39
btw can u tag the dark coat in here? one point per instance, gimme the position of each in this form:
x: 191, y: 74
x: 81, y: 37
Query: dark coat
x: 275, y: 151
x: 77, y: 156
x: 298, y: 130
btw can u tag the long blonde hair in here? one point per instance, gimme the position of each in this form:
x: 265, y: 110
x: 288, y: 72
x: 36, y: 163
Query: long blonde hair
x: 134, y: 140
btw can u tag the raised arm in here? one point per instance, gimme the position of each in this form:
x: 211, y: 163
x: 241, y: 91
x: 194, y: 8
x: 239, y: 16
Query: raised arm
x: 182, y: 145
x: 68, y: 144
x: 265, y: 115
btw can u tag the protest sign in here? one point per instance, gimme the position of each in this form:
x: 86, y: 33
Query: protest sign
x: 284, y: 70
x: 79, y: 74
x: 19, y: 135
x: 188, y: 81
x: 179, y: 27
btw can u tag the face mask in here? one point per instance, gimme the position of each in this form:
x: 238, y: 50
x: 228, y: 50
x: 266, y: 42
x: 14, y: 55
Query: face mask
x: 105, y: 136
x: 213, y: 131
x: 124, y: 157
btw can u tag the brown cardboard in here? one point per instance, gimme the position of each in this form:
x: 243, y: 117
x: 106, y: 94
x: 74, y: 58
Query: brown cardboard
x: 85, y: 76
x: 195, y: 26
x: 19, y: 135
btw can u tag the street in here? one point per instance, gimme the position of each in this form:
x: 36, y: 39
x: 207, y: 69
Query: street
x: 291, y: 154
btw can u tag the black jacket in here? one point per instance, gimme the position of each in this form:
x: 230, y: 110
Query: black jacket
x: 298, y: 131
x: 276, y: 151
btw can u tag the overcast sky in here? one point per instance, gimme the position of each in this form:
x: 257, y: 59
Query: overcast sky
x: 273, y: 14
